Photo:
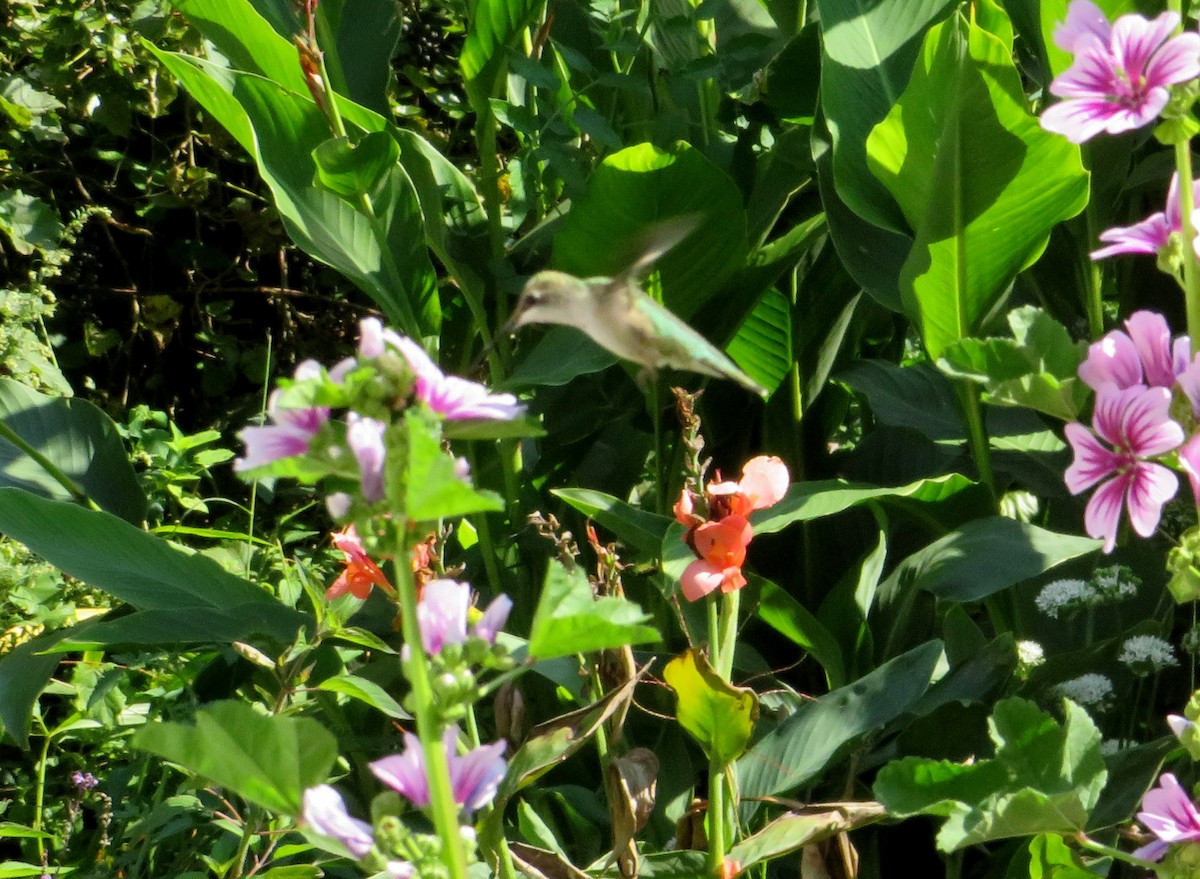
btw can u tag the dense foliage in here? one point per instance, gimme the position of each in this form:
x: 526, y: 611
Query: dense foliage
x: 371, y: 505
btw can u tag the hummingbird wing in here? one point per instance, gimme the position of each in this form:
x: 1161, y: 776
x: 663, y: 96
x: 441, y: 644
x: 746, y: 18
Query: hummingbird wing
x: 655, y: 241
x: 677, y: 345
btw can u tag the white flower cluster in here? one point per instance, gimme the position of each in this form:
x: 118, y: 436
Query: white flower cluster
x: 1029, y: 656
x: 1065, y: 595
x: 1093, y: 691
x: 1146, y: 654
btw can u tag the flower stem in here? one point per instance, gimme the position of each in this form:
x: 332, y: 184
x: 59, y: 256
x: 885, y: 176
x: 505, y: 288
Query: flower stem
x: 441, y: 793
x: 730, y: 602
x: 1116, y: 854
x: 977, y: 438
x: 1191, y: 269
x: 716, y: 817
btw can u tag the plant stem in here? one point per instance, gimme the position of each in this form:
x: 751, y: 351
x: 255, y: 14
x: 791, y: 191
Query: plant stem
x: 1191, y: 269
x: 716, y: 817
x: 1108, y: 851
x: 46, y: 464
x: 1094, y: 303
x: 441, y: 794
x: 977, y: 438
x: 730, y: 601
x: 508, y: 869
x: 714, y: 632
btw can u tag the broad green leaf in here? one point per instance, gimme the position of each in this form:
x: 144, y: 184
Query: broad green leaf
x: 358, y: 38
x: 640, y: 187
x: 495, y: 24
x: 762, y: 346
x: 806, y: 501
x: 570, y: 619
x: 245, y: 37
x: 352, y: 170
x: 364, y: 691
x: 718, y: 715
x: 432, y: 490
x: 820, y: 731
x: 977, y: 178
x: 985, y: 556
x: 269, y: 760
x: 78, y: 439
x: 24, y: 672
x: 15, y: 869
x: 29, y: 222
x: 294, y: 871
x: 642, y: 530
x: 1051, y: 858
x: 127, y: 563
x: 793, y: 831
x: 790, y: 618
x: 1045, y: 778
x: 189, y: 624
x: 1131, y: 772
x: 1035, y: 368
x: 13, y: 830
x: 560, y: 356
x: 381, y: 249
x: 922, y: 398
x: 869, y: 50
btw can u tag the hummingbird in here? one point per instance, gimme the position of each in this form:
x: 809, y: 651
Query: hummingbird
x: 620, y: 316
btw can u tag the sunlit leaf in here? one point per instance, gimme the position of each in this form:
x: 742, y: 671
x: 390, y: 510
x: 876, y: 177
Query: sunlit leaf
x: 570, y: 619
x: 718, y: 715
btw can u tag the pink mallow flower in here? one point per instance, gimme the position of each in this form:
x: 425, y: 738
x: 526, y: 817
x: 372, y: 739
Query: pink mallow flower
x: 474, y: 776
x: 1168, y: 813
x: 1135, y: 421
x: 289, y: 435
x: 1121, y: 73
x: 325, y: 814
x: 444, y: 610
x: 365, y: 438
x: 1143, y: 356
x: 451, y: 397
x: 1153, y: 234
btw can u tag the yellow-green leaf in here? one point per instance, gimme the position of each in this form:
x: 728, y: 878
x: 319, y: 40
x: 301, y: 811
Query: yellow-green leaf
x: 719, y: 715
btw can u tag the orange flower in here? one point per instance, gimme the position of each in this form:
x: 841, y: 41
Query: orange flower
x: 730, y: 868
x: 722, y: 547
x: 360, y: 573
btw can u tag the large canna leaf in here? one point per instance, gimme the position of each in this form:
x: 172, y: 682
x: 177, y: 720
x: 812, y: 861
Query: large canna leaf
x: 869, y: 48
x: 264, y: 104
x: 978, y: 180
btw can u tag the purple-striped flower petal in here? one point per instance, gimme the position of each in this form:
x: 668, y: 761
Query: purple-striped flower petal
x: 1102, y: 516
x: 1146, y: 425
x: 477, y: 774
x: 1093, y: 462
x: 1168, y: 813
x: 289, y: 435
x: 325, y: 813
x: 493, y: 619
x: 1150, y: 486
x: 442, y: 614
x: 1148, y: 236
x: 1189, y: 463
x: 405, y: 772
x: 1152, y: 338
x: 1111, y: 361
x: 1084, y: 20
x: 365, y: 438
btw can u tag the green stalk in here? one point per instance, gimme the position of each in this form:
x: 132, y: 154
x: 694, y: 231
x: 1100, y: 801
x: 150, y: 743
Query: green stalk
x: 716, y: 817
x: 1191, y: 269
x: 730, y: 602
x: 508, y: 869
x: 977, y: 438
x: 441, y: 793
x: 1108, y: 851
x: 1094, y: 304
x: 46, y: 464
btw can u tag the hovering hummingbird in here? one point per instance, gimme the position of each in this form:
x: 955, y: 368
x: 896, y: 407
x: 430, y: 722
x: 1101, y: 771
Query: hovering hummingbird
x: 621, y: 317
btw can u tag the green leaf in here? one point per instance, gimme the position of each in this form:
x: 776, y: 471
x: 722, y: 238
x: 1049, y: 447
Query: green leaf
x: 983, y: 557
x: 364, y: 691
x: 24, y: 672
x: 1044, y: 778
x: 1051, y: 858
x: 432, y: 490
x: 977, y: 178
x: 642, y: 530
x: 12, y: 830
x: 560, y: 356
x: 793, y: 831
x: 790, y: 618
x: 29, y: 222
x: 383, y: 251
x: 818, y: 732
x: 353, y: 170
x: 269, y: 760
x: 1035, y: 368
x: 110, y: 554
x: 762, y: 346
x: 570, y: 619
x: 868, y: 54
x: 806, y: 501
x: 718, y: 715
x: 495, y: 25
x: 358, y: 38
x: 180, y: 625
x: 641, y: 187
x: 78, y: 439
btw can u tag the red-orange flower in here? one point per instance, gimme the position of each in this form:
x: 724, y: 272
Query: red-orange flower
x: 721, y: 540
x: 360, y: 573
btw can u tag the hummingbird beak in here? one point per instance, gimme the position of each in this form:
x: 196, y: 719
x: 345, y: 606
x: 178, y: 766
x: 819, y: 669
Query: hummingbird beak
x: 510, y: 326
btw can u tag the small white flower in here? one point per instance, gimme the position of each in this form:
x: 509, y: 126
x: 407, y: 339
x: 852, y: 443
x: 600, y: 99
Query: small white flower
x: 1029, y: 656
x: 1108, y: 747
x: 1091, y: 690
x: 1065, y: 595
x: 1146, y: 654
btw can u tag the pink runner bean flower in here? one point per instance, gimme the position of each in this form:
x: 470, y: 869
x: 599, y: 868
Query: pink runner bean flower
x: 1153, y: 234
x: 474, y: 776
x: 1169, y: 813
x: 1143, y: 356
x: 763, y: 484
x: 1121, y: 73
x: 1135, y: 421
x: 721, y: 546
